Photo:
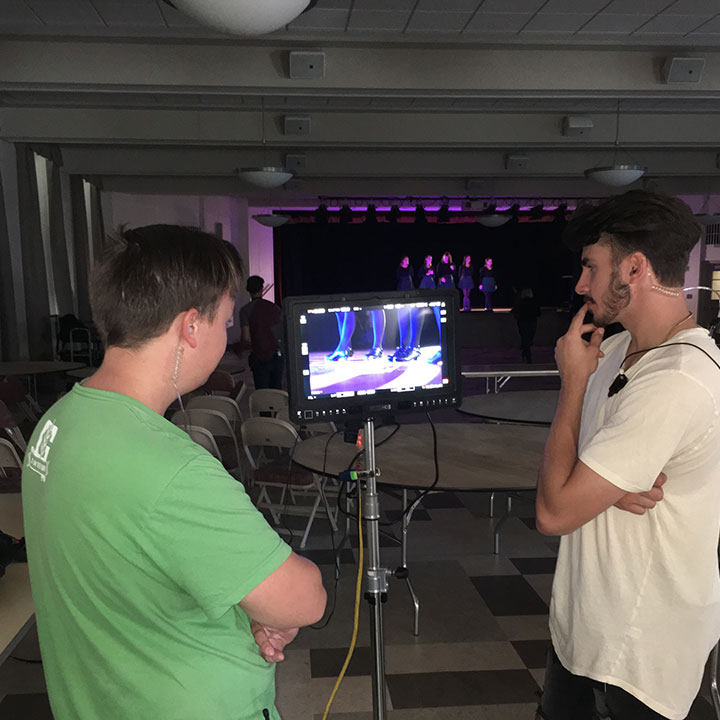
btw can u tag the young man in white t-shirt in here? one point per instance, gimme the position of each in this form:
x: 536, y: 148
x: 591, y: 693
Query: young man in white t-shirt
x: 631, y: 475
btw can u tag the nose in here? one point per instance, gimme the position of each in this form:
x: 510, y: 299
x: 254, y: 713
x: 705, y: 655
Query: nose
x: 582, y: 286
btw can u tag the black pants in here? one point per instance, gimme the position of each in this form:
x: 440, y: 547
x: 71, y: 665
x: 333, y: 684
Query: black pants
x: 267, y: 373
x: 573, y: 697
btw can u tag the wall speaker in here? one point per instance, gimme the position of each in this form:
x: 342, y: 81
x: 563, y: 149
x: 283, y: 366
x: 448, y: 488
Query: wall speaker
x: 683, y: 69
x: 576, y: 125
x: 296, y: 125
x: 307, y: 64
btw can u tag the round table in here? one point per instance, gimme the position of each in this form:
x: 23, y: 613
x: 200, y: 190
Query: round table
x: 471, y: 456
x: 522, y: 406
x: 32, y: 368
x: 81, y: 373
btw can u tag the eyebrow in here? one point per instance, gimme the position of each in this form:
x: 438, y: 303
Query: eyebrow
x: 586, y: 262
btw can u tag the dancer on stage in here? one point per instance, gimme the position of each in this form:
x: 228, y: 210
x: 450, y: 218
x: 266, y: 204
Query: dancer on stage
x: 446, y: 272
x: 466, y: 283
x: 346, y: 327
x: 405, y: 275
x: 426, y: 276
x: 487, y: 283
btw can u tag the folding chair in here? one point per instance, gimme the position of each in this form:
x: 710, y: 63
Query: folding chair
x: 226, y: 405
x: 267, y: 401
x: 269, y: 444
x: 10, y: 468
x: 217, y: 425
x: 205, y: 438
x: 9, y: 426
x: 221, y: 382
x: 12, y: 393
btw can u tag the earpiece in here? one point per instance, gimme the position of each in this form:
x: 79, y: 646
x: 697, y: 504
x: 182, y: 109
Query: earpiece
x: 192, y: 329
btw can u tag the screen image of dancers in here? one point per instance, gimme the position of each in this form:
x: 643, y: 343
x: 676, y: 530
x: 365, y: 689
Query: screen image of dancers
x: 487, y: 283
x: 466, y: 283
x: 346, y: 328
x: 446, y: 272
x: 405, y: 274
x: 420, y: 365
x: 426, y: 276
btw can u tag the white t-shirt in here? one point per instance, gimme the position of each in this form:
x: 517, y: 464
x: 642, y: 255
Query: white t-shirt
x: 636, y: 599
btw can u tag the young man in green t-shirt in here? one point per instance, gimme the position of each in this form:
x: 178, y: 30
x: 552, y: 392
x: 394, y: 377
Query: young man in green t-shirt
x: 160, y: 591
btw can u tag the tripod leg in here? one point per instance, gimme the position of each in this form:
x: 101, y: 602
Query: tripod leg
x: 403, y: 564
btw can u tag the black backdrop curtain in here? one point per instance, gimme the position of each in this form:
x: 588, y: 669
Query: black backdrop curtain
x: 317, y: 259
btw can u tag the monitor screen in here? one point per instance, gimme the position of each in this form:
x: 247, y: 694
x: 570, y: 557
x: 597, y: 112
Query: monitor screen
x: 370, y: 353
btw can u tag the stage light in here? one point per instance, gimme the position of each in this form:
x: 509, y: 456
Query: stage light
x: 394, y: 214
x: 346, y: 215
x: 420, y: 216
x: 321, y: 215
x: 537, y: 212
x: 371, y: 215
x: 443, y: 215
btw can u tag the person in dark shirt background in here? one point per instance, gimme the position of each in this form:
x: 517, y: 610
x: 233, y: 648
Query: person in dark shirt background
x: 487, y: 283
x: 446, y: 272
x: 426, y: 276
x: 465, y: 281
x: 526, y: 311
x: 405, y: 274
x: 261, y: 328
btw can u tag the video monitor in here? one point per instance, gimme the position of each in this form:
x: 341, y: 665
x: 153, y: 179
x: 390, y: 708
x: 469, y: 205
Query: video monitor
x: 362, y: 355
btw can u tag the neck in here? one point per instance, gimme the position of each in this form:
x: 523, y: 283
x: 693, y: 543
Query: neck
x: 656, y: 320
x: 143, y: 374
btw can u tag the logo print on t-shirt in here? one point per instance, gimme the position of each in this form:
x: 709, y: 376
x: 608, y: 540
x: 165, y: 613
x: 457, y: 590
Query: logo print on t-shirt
x: 38, y: 457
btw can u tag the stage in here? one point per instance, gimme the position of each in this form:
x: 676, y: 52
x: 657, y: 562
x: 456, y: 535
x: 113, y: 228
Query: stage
x: 498, y: 329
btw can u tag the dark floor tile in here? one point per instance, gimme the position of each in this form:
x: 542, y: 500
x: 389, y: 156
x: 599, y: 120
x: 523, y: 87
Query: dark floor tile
x: 328, y: 662
x: 535, y: 565
x: 31, y: 706
x: 532, y: 652
x: 327, y: 557
x: 418, y: 514
x: 442, y: 500
x: 509, y: 595
x: 447, y: 689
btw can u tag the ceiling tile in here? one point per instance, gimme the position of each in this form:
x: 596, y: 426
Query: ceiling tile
x: 321, y: 20
x: 556, y: 23
x: 16, y: 12
x: 176, y: 19
x: 497, y: 22
x: 694, y: 7
x: 378, y: 21
x: 448, y: 5
x: 333, y: 5
x: 511, y: 6
x: 615, y: 24
x: 710, y: 27
x: 636, y: 7
x: 438, y: 21
x: 577, y: 7
x: 672, y: 24
x: 119, y: 14
x: 385, y: 5
x: 68, y: 12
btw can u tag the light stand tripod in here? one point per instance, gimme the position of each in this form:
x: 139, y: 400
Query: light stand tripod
x: 376, y: 588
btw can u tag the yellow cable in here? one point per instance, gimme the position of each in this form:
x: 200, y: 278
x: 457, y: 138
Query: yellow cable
x: 356, y: 615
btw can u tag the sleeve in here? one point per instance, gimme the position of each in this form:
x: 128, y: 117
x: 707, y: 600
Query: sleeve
x: 207, y: 536
x: 244, y: 316
x: 656, y: 416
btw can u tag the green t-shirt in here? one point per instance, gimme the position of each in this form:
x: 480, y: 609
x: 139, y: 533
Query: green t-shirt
x: 140, y: 546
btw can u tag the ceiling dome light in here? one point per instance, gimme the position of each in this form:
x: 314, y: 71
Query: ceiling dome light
x: 493, y: 220
x: 275, y: 220
x: 267, y: 178
x: 616, y: 175
x: 242, y: 17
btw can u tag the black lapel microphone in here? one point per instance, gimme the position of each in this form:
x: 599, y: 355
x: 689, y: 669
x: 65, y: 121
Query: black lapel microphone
x: 618, y: 384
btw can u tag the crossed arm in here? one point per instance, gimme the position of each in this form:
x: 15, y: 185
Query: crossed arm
x: 569, y: 492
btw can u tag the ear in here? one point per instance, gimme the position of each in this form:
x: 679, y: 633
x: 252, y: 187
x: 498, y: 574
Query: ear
x: 189, y: 326
x: 637, y: 266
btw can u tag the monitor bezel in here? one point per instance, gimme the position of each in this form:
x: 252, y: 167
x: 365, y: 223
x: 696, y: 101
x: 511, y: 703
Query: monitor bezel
x: 328, y: 408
